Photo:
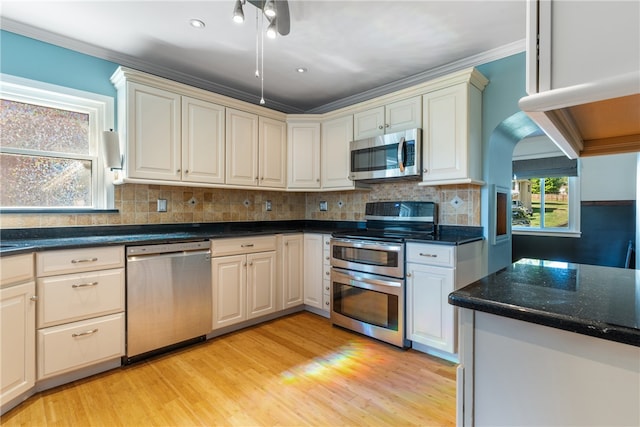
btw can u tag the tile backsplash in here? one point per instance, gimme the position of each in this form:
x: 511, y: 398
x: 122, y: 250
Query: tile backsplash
x: 137, y: 204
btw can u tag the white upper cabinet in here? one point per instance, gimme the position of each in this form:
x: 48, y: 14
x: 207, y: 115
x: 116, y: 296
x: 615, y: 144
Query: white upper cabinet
x: 256, y: 150
x: 571, y: 43
x: 272, y: 151
x: 242, y: 148
x: 153, y: 133
x: 203, y: 147
x: 451, y: 135
x: 394, y: 117
x: 304, y: 155
x: 336, y: 136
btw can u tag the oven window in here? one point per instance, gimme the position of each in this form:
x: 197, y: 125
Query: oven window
x: 365, y: 256
x: 372, y: 307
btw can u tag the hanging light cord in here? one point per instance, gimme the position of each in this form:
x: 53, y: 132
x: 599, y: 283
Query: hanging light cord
x: 262, y: 62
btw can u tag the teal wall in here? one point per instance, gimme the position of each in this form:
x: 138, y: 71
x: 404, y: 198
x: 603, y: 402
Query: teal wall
x: 32, y: 59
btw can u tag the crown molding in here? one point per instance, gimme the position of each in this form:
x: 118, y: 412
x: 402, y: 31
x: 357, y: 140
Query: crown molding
x: 471, y: 61
x: 172, y: 74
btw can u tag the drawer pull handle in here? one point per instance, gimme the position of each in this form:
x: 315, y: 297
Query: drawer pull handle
x: 85, y: 285
x: 34, y: 298
x: 248, y: 245
x: 77, y: 261
x: 81, y: 334
x: 429, y: 255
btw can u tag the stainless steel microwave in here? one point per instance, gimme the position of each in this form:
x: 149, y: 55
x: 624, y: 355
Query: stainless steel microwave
x: 395, y: 155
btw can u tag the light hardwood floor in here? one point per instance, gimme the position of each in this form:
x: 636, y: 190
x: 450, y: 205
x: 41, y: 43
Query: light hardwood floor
x: 294, y: 371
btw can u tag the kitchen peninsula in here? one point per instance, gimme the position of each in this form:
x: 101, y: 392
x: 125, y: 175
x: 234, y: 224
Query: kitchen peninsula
x: 550, y: 343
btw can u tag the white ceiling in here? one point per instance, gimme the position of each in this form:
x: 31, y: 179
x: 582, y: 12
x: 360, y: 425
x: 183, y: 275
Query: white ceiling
x: 353, y: 49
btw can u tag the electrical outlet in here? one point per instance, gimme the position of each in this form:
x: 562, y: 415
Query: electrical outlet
x: 323, y: 206
x: 267, y: 205
x: 162, y: 205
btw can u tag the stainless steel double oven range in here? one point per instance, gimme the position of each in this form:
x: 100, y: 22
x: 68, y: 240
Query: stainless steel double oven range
x: 368, y: 269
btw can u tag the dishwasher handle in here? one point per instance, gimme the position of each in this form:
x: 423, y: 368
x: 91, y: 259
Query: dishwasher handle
x: 134, y: 258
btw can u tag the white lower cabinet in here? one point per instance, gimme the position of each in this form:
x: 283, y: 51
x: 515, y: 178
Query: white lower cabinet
x: 18, y: 328
x: 316, y: 272
x: 71, y: 346
x: 433, y: 272
x: 243, y: 280
x: 291, y: 267
x: 81, y: 312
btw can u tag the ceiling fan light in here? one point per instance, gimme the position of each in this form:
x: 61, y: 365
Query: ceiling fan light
x: 238, y: 13
x: 272, y: 29
x: 270, y: 9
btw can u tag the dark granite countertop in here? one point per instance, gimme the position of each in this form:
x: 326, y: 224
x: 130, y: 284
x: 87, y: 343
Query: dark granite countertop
x: 17, y: 241
x: 602, y: 302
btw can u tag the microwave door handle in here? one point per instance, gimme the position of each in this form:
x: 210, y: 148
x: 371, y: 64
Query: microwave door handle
x: 401, y: 159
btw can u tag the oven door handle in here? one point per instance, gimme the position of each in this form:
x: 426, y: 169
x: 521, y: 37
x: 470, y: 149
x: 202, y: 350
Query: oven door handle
x: 366, y: 281
x: 370, y: 245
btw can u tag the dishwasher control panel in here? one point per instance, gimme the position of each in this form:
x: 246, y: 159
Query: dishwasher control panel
x: 162, y: 248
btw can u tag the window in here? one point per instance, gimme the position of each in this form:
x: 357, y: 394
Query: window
x: 545, y: 197
x: 50, y: 147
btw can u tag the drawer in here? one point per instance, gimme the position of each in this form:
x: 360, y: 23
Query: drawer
x: 326, y: 271
x: 326, y: 302
x: 75, y: 345
x: 438, y: 255
x: 16, y: 269
x: 242, y: 245
x: 77, y: 260
x: 71, y: 297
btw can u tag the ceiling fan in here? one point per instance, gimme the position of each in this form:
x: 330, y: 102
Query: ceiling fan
x: 277, y: 11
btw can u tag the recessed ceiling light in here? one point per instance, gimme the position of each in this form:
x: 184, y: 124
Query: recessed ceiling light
x: 301, y: 70
x: 196, y: 23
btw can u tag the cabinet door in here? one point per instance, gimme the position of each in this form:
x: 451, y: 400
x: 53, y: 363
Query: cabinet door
x: 336, y: 136
x: 273, y: 153
x: 18, y: 340
x: 292, y: 271
x: 304, y: 155
x: 445, y: 136
x: 153, y: 133
x: 313, y: 266
x: 368, y: 123
x: 402, y: 115
x: 242, y: 148
x: 203, y: 125
x: 261, y: 284
x: 229, y: 290
x: 430, y: 319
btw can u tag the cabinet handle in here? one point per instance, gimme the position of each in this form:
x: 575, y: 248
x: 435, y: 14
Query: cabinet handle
x: 408, y: 274
x: 251, y: 263
x: 327, y: 273
x: 380, y: 127
x: 326, y: 303
x: 387, y: 125
x: 187, y: 171
x: 84, y: 285
x: 262, y: 178
x: 178, y: 171
x: 424, y: 171
x: 247, y: 245
x: 429, y: 255
x: 34, y: 298
x: 326, y: 257
x: 318, y: 180
x: 78, y: 261
x: 81, y: 334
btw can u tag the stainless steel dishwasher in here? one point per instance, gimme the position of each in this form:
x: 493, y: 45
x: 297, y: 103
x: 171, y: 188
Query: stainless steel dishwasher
x: 168, y: 297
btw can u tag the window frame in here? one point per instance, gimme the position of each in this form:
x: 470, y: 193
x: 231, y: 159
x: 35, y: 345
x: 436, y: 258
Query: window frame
x: 573, y: 228
x: 100, y: 109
